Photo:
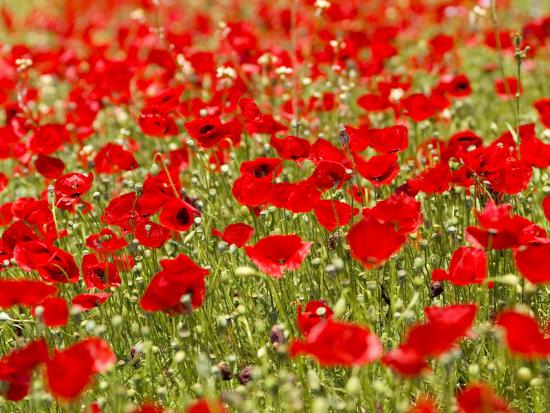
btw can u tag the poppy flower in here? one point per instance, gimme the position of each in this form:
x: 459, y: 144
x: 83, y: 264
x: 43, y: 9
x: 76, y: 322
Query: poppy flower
x: 291, y: 148
x: 206, y: 406
x: 543, y: 108
x: 532, y: 261
x: 121, y: 212
x: 17, y: 367
x: 276, y: 253
x: 85, y: 302
x: 207, y: 131
x: 69, y: 188
x: 250, y: 191
x: 314, y: 313
x: 265, y: 169
x: 52, y: 263
x: 105, y: 242
x: 373, y: 242
x: 534, y: 152
x: 47, y: 139
x: 323, y: 150
x: 296, y: 197
x: 49, y: 167
x: 54, y: 311
x: 399, y: 209
x: 333, y: 214
x: 113, y: 158
x: 328, y: 175
x: 100, y: 275
x: 334, y: 343
x: 235, y: 234
x: 372, y: 102
x: 151, y: 235
x: 523, y: 335
x: 424, y: 405
x: 166, y: 101
x: 379, y: 170
x: 177, y: 215
x: 386, y: 140
x: 507, y: 88
x: 179, y: 277
x: 481, y: 398
x: 157, y: 124
x: 434, y: 180
x: 24, y: 292
x: 499, y: 230
x: 418, y: 107
x: 407, y: 361
x: 468, y: 266
x: 70, y: 371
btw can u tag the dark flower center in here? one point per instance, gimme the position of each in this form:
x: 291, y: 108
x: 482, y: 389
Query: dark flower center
x: 183, y: 217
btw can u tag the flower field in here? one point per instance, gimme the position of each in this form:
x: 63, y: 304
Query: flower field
x: 275, y: 206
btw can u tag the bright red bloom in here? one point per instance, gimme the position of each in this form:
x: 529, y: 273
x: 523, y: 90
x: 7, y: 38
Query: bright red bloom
x: 434, y: 180
x: 265, y: 169
x: 401, y: 210
x: 69, y: 188
x: 335, y: 343
x: 16, y: 369
x: 46, y: 139
x: 296, y: 197
x: 379, y: 170
x: 113, y: 158
x: 386, y: 140
x: 206, y: 406
x: 121, y: 212
x: 85, y: 302
x: 52, y: 263
x: 235, y: 234
x: 333, y: 214
x: 328, y: 175
x: 179, y: 277
x: 177, y: 215
x: 315, y: 312
x: 291, y: 147
x: 207, y: 131
x: 523, y: 335
x: 49, y: 167
x: 532, y: 261
x: 424, y: 405
x: 406, y: 360
x: 418, y: 107
x: 499, y: 230
x: 105, y: 242
x: 481, y: 398
x: 468, y: 266
x: 55, y: 312
x: 152, y: 235
x: 251, y: 191
x: 70, y: 371
x: 155, y: 123
x: 373, y: 242
x: 24, y: 292
x: 166, y: 101
x: 543, y: 108
x: 276, y: 253
x: 98, y: 274
x: 507, y: 88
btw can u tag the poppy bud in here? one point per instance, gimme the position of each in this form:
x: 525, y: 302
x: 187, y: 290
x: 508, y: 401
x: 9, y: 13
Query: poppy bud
x: 225, y: 371
x: 436, y: 289
x: 245, y: 375
x: 277, y: 337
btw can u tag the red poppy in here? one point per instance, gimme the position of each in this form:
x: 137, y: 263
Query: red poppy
x: 333, y: 214
x: 85, y: 302
x: 499, y: 230
x: 265, y: 169
x: 52, y: 263
x: 151, y: 234
x: 49, y: 167
x: 481, y: 398
x: 379, y: 170
x: 113, y: 158
x: 100, y: 275
x: 206, y: 406
x: 424, y: 405
x: 105, y: 242
x: 418, y: 107
x: 69, y: 188
x: 315, y: 312
x: 543, y: 108
x: 121, y: 212
x: 16, y: 369
x: 296, y: 197
x: 207, y: 131
x: 406, y: 361
x: 328, y: 175
x: 177, y: 215
x: 523, y: 335
x: 179, y: 278
x: 335, y: 343
x: 166, y: 101
x: 291, y: 147
x: 235, y: 234
x: 401, y: 210
x: 54, y: 311
x: 434, y: 180
x: 276, y: 253
x: 507, y: 88
x: 534, y: 152
x: 71, y: 370
x: 532, y: 261
x: 386, y: 140
x: 468, y: 266
x: 24, y: 292
x: 251, y: 191
x: 373, y: 242
x: 155, y: 123
x: 46, y: 139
